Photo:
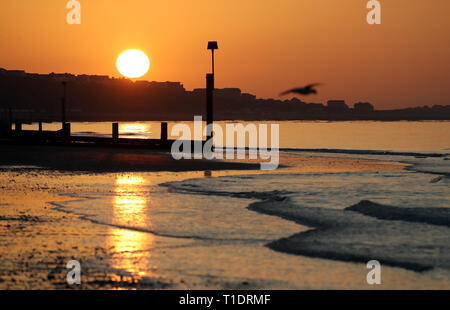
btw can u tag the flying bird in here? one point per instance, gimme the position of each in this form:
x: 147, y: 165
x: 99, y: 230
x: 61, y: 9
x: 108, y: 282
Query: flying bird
x: 307, y: 90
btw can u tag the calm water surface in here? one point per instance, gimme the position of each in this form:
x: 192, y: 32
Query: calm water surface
x: 426, y: 136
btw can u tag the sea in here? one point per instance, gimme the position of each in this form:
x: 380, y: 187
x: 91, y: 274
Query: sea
x: 284, y: 229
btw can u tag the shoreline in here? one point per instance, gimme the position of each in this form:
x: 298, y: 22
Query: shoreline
x: 39, y: 264
x: 367, y: 218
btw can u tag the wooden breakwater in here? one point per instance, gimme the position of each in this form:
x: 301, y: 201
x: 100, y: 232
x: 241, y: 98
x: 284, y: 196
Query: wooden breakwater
x: 8, y: 135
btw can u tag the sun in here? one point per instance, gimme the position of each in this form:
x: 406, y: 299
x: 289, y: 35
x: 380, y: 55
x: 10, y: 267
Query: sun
x: 133, y: 64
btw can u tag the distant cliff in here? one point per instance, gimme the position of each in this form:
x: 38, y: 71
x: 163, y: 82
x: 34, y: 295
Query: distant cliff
x: 100, y: 98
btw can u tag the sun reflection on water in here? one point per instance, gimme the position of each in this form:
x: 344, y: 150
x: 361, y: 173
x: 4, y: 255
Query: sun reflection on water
x: 135, y: 130
x: 129, y: 209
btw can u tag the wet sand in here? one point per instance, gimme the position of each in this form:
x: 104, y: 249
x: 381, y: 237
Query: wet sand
x: 37, y: 240
x: 97, y: 159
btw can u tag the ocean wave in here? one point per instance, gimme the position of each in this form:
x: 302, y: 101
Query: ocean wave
x: 350, y: 236
x: 435, y: 216
x: 414, y: 238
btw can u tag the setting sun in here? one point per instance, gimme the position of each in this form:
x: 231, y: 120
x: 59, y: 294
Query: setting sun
x: 133, y: 63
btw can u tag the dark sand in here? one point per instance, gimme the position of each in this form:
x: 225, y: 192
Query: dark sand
x: 97, y: 159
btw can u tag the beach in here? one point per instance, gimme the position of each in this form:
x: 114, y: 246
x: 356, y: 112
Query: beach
x: 172, y: 237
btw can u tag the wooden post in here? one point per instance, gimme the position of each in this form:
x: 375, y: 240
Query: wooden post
x: 18, y: 126
x: 163, y: 132
x: 209, y: 101
x: 115, y: 131
x: 40, y: 126
x: 67, y: 132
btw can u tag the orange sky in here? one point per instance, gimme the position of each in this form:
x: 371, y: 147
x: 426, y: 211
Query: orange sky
x: 265, y: 46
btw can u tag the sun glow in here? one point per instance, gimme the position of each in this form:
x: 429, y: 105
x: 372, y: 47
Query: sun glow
x: 133, y: 64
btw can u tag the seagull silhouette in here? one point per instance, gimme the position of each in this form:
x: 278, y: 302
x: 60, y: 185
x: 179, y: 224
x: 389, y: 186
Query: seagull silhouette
x: 307, y: 90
